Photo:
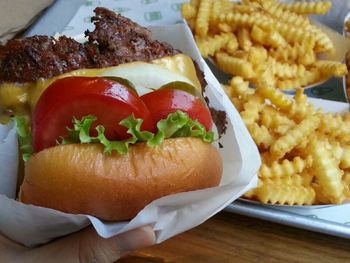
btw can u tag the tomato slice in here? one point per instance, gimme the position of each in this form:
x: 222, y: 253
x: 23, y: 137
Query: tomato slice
x: 164, y: 101
x: 77, y: 97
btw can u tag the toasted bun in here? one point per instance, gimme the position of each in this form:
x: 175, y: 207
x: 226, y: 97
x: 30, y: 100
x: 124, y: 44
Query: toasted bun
x: 81, y: 179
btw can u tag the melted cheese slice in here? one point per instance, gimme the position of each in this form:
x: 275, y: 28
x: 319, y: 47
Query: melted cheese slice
x: 22, y: 98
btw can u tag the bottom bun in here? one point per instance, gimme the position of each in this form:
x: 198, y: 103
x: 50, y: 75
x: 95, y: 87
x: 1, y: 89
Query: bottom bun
x: 81, y: 179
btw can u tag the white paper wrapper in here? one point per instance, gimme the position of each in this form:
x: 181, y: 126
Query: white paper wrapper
x: 169, y: 216
x: 9, y: 161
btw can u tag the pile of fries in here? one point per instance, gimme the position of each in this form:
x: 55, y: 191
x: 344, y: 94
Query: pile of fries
x: 250, y: 37
x: 272, y: 46
x: 305, y: 153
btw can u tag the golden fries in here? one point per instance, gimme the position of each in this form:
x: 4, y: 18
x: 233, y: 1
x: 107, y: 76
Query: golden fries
x: 305, y: 153
x: 287, y: 42
x: 272, y: 46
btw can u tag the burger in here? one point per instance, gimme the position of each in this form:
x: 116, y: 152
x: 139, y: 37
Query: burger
x: 109, y: 125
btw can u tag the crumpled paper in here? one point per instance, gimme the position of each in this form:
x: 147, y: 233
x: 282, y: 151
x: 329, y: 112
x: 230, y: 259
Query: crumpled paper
x: 31, y: 225
x: 17, y: 15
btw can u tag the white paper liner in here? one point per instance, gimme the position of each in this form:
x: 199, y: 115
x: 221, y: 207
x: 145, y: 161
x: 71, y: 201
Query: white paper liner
x: 170, y: 215
x: 9, y: 160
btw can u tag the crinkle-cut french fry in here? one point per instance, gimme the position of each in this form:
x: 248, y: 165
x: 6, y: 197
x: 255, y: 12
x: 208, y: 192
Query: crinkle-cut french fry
x: 327, y: 173
x: 284, y: 15
x: 346, y: 178
x: 240, y: 88
x: 242, y: 54
x: 226, y: 28
x: 203, y: 16
x: 285, y: 194
x: 209, y: 45
x: 276, y: 97
x: 295, y: 135
x: 291, y: 33
x: 232, y: 45
x: 266, y: 158
x: 300, y: 96
x: 243, y: 8
x: 340, y: 152
x: 307, y: 175
x: 217, y: 9
x: 259, y: 35
x: 267, y: 38
x: 304, y: 8
x: 322, y: 42
x: 188, y: 11
x: 252, y: 108
x: 308, y: 58
x: 346, y: 117
x: 257, y: 55
x: 261, y: 135
x: 335, y: 126
x: 300, y: 110
x: 274, y: 119
x: 191, y: 23
x: 309, y: 77
x: 285, y: 70
x: 234, y: 66
x: 250, y: 194
x: 288, y: 84
x: 331, y: 68
x: 285, y: 169
x: 243, y: 37
x: 257, y: 2
x: 301, y: 53
x: 238, y: 103
x: 195, y: 3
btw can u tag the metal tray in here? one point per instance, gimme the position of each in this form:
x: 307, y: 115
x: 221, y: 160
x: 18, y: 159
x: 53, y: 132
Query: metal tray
x: 289, y: 218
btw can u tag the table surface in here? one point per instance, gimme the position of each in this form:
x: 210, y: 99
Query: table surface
x: 229, y: 237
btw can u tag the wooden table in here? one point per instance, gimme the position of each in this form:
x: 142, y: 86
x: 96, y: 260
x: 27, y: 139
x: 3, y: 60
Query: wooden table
x: 234, y: 238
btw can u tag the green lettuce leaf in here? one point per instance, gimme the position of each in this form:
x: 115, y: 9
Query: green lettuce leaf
x: 177, y: 124
x: 24, y: 136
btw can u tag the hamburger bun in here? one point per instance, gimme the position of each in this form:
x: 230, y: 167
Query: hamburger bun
x: 82, y: 179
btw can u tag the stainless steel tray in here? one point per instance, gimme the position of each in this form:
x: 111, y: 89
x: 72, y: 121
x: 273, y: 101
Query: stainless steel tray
x: 289, y: 218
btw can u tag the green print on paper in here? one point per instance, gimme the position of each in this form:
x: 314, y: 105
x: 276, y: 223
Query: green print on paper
x: 87, y: 19
x: 146, y: 2
x: 321, y: 91
x: 152, y: 16
x: 176, y: 7
x: 312, y: 216
x: 68, y: 28
x: 92, y: 3
x: 121, y: 9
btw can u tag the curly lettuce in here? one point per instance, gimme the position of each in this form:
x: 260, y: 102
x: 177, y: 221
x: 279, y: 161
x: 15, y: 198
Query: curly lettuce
x: 24, y: 136
x: 177, y: 124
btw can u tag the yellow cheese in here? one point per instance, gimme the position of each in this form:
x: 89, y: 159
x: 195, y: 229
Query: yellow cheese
x: 19, y: 98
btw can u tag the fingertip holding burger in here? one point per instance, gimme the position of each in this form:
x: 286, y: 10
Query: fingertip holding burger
x: 95, y: 146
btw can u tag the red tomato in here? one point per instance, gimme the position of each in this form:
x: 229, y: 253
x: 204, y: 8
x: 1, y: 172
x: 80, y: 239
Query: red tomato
x: 164, y: 101
x: 77, y: 97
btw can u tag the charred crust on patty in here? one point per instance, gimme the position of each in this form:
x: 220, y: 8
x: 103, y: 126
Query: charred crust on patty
x: 114, y: 41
